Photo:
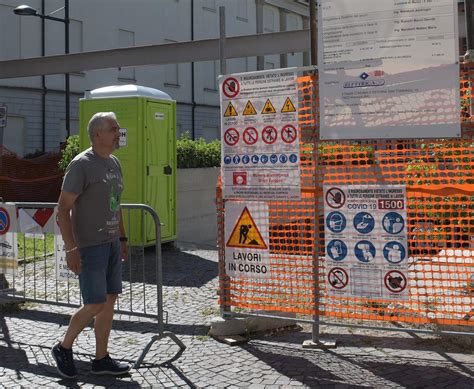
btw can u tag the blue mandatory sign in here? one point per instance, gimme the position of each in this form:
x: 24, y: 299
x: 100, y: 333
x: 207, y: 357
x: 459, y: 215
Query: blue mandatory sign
x: 264, y: 158
x: 393, y: 223
x: 255, y: 159
x: 283, y: 158
x: 394, y: 252
x: 364, y: 251
x: 273, y: 158
x: 293, y: 158
x: 4, y: 221
x: 236, y: 159
x: 364, y: 222
x: 245, y: 159
x: 336, y: 222
x: 227, y: 159
x: 337, y: 250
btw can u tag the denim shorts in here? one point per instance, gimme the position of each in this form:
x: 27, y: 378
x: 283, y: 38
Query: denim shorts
x: 101, y: 272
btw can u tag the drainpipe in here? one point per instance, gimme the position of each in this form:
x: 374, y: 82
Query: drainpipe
x: 259, y: 22
x: 193, y: 102
x: 43, y: 81
x: 469, y: 30
x: 314, y: 31
x: 283, y: 27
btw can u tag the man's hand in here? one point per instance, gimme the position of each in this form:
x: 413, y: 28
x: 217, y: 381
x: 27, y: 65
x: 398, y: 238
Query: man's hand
x: 124, y: 251
x: 73, y: 259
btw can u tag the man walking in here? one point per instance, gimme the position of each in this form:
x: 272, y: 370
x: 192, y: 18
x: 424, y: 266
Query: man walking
x: 90, y: 220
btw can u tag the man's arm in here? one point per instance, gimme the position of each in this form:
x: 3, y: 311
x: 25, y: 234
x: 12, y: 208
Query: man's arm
x: 65, y: 204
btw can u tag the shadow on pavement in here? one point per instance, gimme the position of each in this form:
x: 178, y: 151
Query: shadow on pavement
x: 395, y: 341
x: 179, y: 269
x: 142, y: 327
x: 16, y: 359
x: 289, y: 362
x: 428, y: 376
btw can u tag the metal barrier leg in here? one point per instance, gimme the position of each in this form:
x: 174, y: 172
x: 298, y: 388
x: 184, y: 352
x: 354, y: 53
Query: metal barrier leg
x: 173, y: 337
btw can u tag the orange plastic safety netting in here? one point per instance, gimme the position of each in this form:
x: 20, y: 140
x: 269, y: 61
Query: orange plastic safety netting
x: 438, y: 175
x: 34, y: 180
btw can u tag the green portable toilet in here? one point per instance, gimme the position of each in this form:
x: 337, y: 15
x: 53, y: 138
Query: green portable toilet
x: 147, y: 118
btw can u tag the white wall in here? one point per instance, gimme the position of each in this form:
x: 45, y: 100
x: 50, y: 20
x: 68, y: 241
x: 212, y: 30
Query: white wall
x: 106, y: 24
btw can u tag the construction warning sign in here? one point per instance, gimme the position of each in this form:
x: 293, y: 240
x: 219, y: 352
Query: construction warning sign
x: 230, y: 111
x: 268, y: 108
x: 366, y: 237
x: 249, y: 109
x: 260, y: 133
x: 246, y: 233
x: 288, y: 106
x: 246, y: 237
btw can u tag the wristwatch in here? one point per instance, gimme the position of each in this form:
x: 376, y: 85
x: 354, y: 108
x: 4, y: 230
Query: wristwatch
x: 123, y: 239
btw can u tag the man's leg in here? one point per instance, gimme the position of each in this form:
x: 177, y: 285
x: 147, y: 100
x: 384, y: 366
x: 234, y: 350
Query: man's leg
x: 103, y: 325
x: 79, y: 321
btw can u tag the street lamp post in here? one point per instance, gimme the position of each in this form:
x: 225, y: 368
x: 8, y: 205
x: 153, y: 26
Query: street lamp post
x: 26, y: 10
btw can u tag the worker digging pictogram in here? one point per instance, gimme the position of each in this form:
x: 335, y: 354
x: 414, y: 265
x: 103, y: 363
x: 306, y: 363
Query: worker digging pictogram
x: 246, y: 233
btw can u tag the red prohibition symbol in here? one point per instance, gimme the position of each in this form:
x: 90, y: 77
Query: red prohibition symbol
x: 250, y: 135
x: 395, y: 281
x: 338, y: 278
x: 269, y: 135
x: 231, y: 136
x: 288, y: 133
x: 231, y: 87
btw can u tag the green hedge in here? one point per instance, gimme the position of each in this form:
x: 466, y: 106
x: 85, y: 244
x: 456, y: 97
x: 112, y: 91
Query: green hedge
x: 190, y: 153
x: 197, y: 153
x: 69, y: 152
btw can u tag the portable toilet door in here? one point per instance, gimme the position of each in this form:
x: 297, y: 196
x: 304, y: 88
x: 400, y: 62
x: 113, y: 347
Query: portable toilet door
x: 148, y: 157
x: 160, y: 160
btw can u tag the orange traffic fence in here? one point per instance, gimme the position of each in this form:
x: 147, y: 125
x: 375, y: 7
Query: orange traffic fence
x: 438, y: 175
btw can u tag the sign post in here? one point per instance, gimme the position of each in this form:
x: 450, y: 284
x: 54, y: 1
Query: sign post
x: 3, y: 122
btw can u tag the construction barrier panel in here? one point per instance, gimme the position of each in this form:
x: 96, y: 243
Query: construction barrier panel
x: 36, y: 271
x: 438, y: 177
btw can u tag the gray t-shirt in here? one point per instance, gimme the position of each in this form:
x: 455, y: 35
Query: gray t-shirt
x: 96, y: 212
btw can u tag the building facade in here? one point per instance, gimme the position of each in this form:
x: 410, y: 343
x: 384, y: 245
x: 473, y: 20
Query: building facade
x: 36, y: 105
x: 106, y: 24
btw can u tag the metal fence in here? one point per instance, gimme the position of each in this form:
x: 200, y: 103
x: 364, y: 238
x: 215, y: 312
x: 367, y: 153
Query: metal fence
x: 41, y: 276
x: 438, y: 175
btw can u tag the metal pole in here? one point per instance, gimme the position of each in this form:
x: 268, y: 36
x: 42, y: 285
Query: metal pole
x: 223, y: 67
x: 43, y: 79
x: 259, y: 30
x: 314, y: 60
x: 193, y: 102
x: 313, y: 31
x: 469, y: 30
x: 3, y: 281
x: 66, y: 41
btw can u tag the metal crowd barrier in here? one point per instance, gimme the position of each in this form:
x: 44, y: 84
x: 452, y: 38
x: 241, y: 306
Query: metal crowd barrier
x: 37, y: 278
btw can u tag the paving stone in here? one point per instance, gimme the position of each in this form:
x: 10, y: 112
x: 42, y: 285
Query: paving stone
x: 365, y: 358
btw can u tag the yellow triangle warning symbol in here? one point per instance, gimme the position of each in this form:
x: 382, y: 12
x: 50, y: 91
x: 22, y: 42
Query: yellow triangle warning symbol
x: 230, y: 111
x: 246, y: 233
x: 288, y: 106
x: 268, y: 107
x: 249, y: 109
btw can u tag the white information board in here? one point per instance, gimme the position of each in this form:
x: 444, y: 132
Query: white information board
x: 366, y: 241
x: 246, y: 237
x: 388, y: 69
x: 260, y: 136
x: 8, y: 239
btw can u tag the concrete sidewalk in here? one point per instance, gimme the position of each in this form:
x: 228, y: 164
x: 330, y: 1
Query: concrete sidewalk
x: 364, y: 358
